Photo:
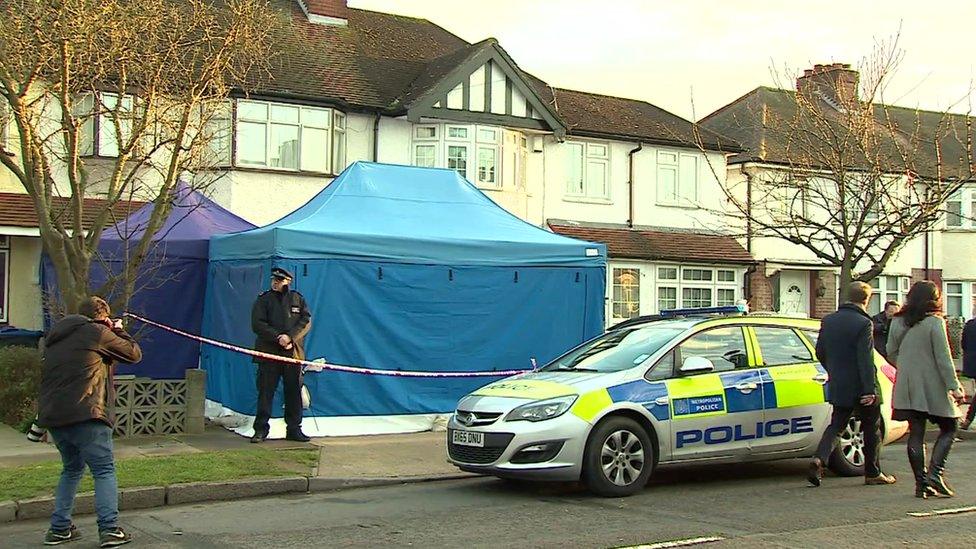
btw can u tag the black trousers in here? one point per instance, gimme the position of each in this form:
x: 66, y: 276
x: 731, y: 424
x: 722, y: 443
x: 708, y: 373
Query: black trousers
x: 870, y: 426
x: 268, y: 375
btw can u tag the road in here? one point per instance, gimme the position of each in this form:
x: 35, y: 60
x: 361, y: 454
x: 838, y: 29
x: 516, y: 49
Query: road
x: 754, y: 505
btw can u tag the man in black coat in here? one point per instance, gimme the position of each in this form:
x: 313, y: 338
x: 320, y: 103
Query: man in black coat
x: 882, y: 323
x: 280, y: 320
x: 845, y: 350
x: 969, y: 366
x: 76, y: 402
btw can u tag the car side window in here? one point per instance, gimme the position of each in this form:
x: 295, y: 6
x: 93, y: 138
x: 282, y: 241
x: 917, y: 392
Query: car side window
x: 724, y: 347
x: 812, y: 335
x: 664, y: 369
x: 781, y: 346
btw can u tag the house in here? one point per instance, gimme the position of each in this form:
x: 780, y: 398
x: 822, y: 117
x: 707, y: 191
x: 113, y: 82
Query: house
x: 791, y: 278
x: 365, y: 85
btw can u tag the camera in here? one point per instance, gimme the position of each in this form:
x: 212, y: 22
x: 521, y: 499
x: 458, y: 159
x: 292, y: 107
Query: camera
x: 36, y: 433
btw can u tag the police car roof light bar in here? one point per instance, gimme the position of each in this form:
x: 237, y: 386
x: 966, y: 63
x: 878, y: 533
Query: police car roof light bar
x: 700, y: 311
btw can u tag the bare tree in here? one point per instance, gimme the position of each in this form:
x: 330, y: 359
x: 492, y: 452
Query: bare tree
x: 840, y: 173
x: 115, y: 99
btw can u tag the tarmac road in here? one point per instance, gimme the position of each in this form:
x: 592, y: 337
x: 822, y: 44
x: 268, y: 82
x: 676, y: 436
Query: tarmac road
x: 754, y: 505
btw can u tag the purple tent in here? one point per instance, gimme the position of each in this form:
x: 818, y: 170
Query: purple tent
x: 171, y: 283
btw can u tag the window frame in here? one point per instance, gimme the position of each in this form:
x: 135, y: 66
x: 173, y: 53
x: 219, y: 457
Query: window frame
x: 634, y: 290
x: 682, y: 198
x: 680, y: 283
x: 964, y: 200
x: 745, y: 349
x: 588, y: 155
x: 328, y: 148
x: 799, y: 337
x: 880, y: 294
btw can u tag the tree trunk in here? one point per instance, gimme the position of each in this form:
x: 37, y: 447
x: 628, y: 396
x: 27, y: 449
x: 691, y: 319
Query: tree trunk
x: 844, y: 282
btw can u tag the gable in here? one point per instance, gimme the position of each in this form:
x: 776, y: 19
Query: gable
x: 483, y: 86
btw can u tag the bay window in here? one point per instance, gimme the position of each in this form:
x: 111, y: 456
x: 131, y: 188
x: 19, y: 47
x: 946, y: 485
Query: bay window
x: 96, y: 114
x: 290, y: 137
x: 472, y: 151
x: 690, y: 287
x: 961, y: 209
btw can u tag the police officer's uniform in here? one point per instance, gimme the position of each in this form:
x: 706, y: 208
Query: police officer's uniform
x: 276, y: 313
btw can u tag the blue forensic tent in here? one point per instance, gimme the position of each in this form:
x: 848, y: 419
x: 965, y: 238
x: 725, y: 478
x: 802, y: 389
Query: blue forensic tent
x: 403, y: 268
x: 171, y: 282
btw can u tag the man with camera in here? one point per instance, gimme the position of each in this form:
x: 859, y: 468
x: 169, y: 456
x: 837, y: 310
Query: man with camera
x: 75, y: 404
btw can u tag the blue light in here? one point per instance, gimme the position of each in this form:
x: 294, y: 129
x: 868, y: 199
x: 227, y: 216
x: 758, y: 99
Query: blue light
x: 699, y: 311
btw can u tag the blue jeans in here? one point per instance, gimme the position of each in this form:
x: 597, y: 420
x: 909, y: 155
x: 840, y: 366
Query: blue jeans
x: 90, y: 443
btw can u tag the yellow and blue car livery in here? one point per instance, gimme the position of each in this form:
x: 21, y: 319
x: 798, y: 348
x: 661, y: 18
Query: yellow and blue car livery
x: 764, y: 398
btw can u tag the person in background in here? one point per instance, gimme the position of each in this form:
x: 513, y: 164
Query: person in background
x: 969, y: 366
x: 280, y: 320
x: 844, y: 349
x: 75, y: 403
x: 882, y: 323
x: 926, y: 387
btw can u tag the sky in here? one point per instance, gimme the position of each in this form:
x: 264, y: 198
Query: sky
x: 691, y: 57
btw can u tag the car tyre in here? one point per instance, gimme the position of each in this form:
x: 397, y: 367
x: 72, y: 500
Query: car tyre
x: 847, y: 459
x: 618, y: 459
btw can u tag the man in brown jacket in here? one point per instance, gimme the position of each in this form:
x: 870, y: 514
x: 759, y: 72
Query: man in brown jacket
x: 75, y: 403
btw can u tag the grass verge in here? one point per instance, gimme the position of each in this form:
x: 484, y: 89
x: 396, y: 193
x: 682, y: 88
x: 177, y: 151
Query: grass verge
x: 40, y: 479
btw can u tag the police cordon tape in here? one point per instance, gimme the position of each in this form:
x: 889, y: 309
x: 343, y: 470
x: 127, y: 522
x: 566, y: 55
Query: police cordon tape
x: 321, y: 365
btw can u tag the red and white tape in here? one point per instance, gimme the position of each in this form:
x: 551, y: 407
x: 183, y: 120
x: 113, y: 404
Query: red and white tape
x: 318, y: 366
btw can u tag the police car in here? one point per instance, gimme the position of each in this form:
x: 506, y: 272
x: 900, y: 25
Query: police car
x: 708, y: 385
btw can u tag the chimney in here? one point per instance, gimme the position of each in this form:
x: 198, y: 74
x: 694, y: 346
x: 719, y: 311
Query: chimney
x: 835, y: 83
x: 326, y: 12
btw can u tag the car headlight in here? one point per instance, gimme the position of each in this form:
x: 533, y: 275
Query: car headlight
x: 542, y: 410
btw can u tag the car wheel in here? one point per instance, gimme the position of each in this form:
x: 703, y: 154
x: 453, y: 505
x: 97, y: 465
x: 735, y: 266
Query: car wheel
x: 618, y: 459
x: 848, y: 457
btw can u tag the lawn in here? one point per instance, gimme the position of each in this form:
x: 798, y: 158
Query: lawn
x: 40, y: 479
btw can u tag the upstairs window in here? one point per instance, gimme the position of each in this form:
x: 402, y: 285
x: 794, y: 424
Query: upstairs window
x: 677, y: 179
x: 472, y: 151
x: 290, y: 137
x: 587, y: 170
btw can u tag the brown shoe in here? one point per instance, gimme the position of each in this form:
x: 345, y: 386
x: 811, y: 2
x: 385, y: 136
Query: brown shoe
x: 815, y: 472
x: 880, y: 480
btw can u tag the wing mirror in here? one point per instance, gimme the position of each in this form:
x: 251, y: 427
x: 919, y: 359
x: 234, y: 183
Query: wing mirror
x: 696, y: 365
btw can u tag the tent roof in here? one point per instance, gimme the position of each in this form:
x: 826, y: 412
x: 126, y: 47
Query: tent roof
x: 407, y: 214
x: 186, y: 233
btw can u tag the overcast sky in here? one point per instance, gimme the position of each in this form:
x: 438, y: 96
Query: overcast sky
x: 668, y: 52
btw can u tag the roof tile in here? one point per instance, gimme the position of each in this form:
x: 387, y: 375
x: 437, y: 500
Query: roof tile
x: 661, y: 245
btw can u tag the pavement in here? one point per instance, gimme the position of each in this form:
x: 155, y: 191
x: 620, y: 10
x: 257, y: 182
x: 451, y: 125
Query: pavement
x: 344, y: 463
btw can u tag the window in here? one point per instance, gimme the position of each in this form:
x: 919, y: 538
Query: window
x: 696, y: 274
x: 781, y: 346
x: 677, y: 178
x: 953, y: 299
x: 696, y: 286
x: 472, y: 151
x: 724, y: 347
x: 961, y: 209
x: 97, y: 136
x: 457, y: 159
x: 290, y: 137
x: 664, y: 369
x: 617, y: 350
x: 626, y: 293
x: 813, y: 336
x: 4, y: 277
x: 587, y: 170
x: 425, y: 156
x: 887, y: 288
x: 696, y: 297
x: 667, y: 298
x: 219, y: 132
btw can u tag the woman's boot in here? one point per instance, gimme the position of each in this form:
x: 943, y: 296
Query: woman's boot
x: 916, y: 458
x: 936, y: 477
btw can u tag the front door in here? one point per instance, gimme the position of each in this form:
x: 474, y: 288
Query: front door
x: 711, y: 412
x: 794, y: 293
x: 793, y: 390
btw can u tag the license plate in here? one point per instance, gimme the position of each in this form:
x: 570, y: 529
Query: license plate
x: 468, y: 438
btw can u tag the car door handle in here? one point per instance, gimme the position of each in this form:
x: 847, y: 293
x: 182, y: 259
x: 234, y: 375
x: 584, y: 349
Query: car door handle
x: 747, y: 387
x: 662, y: 401
x: 820, y: 378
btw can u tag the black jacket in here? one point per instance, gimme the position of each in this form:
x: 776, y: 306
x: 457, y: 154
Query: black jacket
x: 882, y: 324
x: 275, y: 313
x: 845, y: 349
x: 76, y: 378
x: 969, y: 349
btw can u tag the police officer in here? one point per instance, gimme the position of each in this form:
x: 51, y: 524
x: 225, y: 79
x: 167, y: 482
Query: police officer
x: 280, y: 320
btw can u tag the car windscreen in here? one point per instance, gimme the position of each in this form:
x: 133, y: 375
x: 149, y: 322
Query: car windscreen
x: 615, y: 351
